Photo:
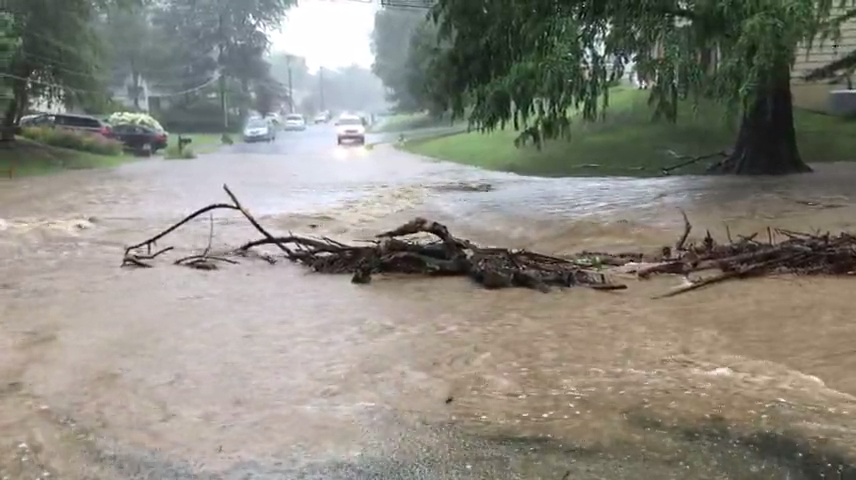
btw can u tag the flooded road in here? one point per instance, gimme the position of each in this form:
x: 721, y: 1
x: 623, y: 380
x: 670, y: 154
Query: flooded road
x: 260, y: 371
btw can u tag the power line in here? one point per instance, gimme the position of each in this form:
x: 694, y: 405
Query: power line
x: 79, y: 90
x: 409, y: 4
x: 191, y: 90
x: 59, y: 65
x: 404, y: 4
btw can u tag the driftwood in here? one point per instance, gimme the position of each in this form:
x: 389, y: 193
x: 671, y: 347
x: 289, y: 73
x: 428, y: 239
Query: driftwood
x: 393, y: 253
x: 797, y: 253
x: 389, y: 253
x: 687, y: 160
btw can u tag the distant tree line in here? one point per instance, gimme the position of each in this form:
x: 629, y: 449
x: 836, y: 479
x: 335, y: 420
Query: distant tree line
x: 196, y: 54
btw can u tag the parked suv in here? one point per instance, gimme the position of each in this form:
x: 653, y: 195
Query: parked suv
x: 140, y: 138
x: 69, y: 121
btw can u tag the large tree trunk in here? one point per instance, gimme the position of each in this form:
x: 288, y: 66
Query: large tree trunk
x: 12, y: 113
x: 14, y: 110
x: 766, y: 143
x: 20, y: 95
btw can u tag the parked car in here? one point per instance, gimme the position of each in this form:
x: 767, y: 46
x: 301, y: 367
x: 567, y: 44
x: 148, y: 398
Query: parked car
x: 295, y: 121
x: 320, y: 118
x: 274, y: 118
x: 27, y: 120
x: 259, y: 130
x: 86, y: 123
x: 140, y: 138
x: 350, y: 127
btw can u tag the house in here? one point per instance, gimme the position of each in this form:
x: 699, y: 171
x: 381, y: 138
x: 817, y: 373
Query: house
x: 123, y: 92
x: 817, y: 96
x: 44, y: 105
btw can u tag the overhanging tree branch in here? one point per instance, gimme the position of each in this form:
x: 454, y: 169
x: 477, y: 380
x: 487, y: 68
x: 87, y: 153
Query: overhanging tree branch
x: 832, y: 69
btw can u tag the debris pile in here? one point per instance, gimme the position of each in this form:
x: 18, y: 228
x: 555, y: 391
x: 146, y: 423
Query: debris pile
x: 446, y: 255
x: 781, y: 252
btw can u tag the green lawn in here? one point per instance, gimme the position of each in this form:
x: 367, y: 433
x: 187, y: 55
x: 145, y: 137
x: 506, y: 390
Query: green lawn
x: 628, y: 143
x: 26, y: 158
x: 407, y: 121
x: 202, y: 142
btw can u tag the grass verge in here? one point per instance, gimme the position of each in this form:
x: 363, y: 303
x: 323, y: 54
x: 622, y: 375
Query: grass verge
x: 25, y: 157
x: 628, y: 143
x: 201, y: 142
x: 172, y: 152
x: 408, y: 121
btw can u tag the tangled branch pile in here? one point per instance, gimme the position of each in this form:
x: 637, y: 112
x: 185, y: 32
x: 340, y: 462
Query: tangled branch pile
x: 494, y: 268
x: 798, y: 253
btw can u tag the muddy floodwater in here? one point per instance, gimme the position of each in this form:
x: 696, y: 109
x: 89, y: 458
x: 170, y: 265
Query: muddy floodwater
x: 270, y: 372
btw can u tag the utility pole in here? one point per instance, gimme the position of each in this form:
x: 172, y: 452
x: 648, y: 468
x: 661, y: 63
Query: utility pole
x: 222, y: 78
x: 321, y: 88
x: 290, y: 87
x: 223, y: 105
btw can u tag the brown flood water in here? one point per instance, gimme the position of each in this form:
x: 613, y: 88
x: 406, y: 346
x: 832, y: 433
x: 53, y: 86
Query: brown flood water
x: 110, y: 373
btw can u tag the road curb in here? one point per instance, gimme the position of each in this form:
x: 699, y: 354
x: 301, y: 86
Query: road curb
x: 399, y: 143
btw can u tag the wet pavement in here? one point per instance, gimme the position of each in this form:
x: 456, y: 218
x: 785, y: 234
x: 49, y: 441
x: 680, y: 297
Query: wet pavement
x: 259, y: 371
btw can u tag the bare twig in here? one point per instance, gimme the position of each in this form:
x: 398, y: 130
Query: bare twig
x: 193, y: 258
x: 253, y: 221
x: 687, y: 229
x: 148, y: 243
x: 210, y: 234
x: 686, y: 160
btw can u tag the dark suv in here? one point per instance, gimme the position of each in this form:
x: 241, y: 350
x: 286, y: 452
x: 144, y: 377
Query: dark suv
x: 140, y: 138
x: 69, y: 121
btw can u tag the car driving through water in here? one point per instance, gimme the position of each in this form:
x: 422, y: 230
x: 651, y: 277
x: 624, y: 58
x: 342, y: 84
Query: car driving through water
x: 259, y: 130
x: 295, y: 122
x: 350, y: 128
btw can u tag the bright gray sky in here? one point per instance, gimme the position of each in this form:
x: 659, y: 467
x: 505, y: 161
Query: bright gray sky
x: 329, y: 33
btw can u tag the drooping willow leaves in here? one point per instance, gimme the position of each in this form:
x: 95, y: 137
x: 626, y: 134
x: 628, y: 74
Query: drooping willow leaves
x: 537, y: 65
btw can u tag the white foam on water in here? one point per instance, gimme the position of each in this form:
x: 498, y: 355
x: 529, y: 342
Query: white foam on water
x: 779, y: 384
x: 67, y: 225
x: 376, y: 206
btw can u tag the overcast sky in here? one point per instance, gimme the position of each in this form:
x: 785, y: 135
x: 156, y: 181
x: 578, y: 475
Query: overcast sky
x: 329, y: 33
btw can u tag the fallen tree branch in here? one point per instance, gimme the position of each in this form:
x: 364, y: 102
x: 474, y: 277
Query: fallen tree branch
x: 252, y: 220
x: 687, y: 160
x: 392, y: 252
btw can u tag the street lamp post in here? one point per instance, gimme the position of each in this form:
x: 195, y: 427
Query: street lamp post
x: 290, y: 86
x: 321, y: 88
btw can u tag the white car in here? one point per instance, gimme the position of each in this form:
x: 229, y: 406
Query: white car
x: 259, y: 130
x: 274, y: 118
x: 350, y: 127
x: 295, y: 121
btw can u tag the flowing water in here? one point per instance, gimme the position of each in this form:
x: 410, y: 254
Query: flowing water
x: 259, y: 371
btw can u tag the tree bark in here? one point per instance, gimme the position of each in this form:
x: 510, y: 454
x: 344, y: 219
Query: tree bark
x: 11, y: 112
x: 14, y: 109
x: 766, y: 142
